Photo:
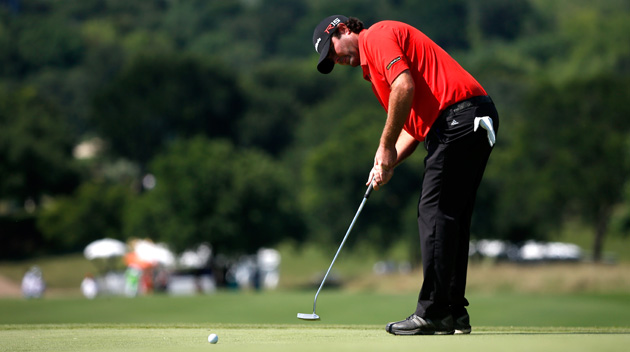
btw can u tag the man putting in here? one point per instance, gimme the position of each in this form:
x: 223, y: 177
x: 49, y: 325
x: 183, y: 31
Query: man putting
x: 428, y: 97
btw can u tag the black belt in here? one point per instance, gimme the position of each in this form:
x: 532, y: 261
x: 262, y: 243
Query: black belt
x: 457, y: 107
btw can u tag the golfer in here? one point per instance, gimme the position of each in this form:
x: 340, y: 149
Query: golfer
x: 428, y: 97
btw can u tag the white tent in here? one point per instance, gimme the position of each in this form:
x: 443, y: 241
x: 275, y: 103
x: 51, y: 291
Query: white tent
x: 105, y: 248
x: 155, y: 253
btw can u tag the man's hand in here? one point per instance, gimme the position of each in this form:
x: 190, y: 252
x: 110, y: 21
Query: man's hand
x: 383, y: 168
x: 399, y: 107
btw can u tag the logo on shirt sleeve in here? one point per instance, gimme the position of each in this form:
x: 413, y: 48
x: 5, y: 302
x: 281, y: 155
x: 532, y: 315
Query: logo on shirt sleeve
x: 393, y: 62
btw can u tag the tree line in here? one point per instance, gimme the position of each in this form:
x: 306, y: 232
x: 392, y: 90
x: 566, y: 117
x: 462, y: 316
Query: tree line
x: 218, y: 108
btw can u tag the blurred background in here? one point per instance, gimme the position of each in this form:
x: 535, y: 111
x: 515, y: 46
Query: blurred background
x: 194, y: 146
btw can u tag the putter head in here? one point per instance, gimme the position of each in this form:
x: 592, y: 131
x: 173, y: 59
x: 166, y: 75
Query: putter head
x: 305, y: 316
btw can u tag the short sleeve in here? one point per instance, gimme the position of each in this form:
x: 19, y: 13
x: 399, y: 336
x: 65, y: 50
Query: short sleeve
x: 387, y: 54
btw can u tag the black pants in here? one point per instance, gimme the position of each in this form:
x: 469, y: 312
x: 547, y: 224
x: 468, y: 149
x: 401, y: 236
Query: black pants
x: 455, y: 163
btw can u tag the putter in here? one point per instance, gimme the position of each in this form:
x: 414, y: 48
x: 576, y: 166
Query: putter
x: 306, y: 316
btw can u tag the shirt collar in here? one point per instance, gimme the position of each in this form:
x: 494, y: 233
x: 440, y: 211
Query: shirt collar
x: 363, y: 56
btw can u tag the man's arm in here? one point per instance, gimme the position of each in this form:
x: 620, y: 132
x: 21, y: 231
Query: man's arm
x: 405, y: 146
x: 400, y: 101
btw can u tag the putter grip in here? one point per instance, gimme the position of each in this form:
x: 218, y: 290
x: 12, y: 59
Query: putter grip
x: 368, y: 192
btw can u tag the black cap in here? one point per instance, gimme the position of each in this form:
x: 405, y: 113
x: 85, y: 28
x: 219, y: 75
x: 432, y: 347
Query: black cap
x: 321, y: 40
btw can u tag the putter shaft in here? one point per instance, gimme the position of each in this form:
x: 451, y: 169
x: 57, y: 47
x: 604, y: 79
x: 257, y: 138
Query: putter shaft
x: 315, y: 316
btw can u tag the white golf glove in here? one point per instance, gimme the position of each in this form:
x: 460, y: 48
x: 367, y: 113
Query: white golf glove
x: 486, y: 124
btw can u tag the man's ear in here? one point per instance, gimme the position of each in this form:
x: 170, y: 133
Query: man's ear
x: 342, y: 28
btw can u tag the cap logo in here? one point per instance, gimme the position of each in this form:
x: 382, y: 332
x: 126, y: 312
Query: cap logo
x: 332, y: 25
x: 317, y: 44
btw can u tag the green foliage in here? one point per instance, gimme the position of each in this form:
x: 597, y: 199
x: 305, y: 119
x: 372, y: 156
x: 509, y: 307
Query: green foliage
x: 208, y: 191
x: 20, y: 238
x: 561, y: 142
x: 48, y: 41
x: 620, y: 222
x: 280, y: 93
x: 598, y: 42
x: 141, y: 75
x: 335, y: 173
x: 567, y: 158
x: 34, y: 147
x: 499, y: 19
x: 159, y: 99
x: 95, y: 211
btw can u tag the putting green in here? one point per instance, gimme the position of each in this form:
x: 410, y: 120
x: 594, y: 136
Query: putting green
x: 238, y: 337
x: 268, y: 322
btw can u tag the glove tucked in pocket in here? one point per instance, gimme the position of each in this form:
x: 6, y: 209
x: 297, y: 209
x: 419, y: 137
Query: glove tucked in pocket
x: 486, y: 124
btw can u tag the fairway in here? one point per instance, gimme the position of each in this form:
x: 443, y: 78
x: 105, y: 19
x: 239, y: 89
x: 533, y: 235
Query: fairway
x: 267, y: 322
x: 334, y: 307
x: 266, y: 337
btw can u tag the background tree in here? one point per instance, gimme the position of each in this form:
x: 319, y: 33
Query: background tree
x: 346, y: 129
x: 280, y: 94
x: 141, y: 75
x: 35, y: 148
x: 208, y: 191
x: 162, y: 98
x: 584, y: 147
x: 96, y: 211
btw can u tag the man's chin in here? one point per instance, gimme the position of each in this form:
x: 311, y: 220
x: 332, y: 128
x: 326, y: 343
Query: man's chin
x: 351, y: 62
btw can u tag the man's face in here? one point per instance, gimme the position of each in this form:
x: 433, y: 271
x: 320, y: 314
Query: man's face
x: 344, y: 50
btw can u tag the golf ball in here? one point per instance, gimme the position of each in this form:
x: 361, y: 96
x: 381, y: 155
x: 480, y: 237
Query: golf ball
x: 213, y: 338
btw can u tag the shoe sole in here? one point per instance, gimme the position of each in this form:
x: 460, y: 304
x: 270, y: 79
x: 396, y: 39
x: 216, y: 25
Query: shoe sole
x: 465, y: 331
x: 419, y: 332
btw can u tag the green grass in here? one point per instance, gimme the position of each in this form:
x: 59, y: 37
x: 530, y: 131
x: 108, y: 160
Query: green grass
x: 335, y: 307
x: 350, y: 322
x: 59, y: 271
x: 190, y: 337
x: 513, y: 308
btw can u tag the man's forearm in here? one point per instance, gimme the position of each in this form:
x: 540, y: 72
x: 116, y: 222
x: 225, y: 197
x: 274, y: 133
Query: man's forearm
x: 405, y: 146
x: 400, y: 101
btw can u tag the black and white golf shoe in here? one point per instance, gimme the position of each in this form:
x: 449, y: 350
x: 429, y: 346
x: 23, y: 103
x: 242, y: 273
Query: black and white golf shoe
x: 462, y: 324
x: 415, y: 325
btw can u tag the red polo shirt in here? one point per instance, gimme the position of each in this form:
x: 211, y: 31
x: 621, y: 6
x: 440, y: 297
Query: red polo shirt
x: 388, y: 48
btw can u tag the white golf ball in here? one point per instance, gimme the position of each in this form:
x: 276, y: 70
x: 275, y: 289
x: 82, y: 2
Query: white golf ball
x: 213, y: 338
